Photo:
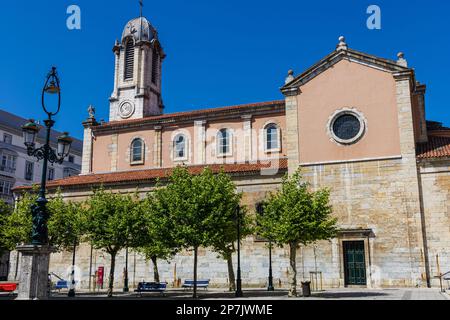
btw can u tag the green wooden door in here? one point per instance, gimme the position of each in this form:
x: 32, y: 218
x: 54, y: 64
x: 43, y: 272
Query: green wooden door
x: 354, y: 263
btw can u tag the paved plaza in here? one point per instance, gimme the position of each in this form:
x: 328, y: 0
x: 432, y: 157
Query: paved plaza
x: 218, y: 294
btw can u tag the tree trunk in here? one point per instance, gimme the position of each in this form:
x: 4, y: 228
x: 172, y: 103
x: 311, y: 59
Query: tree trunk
x: 111, y: 275
x: 231, y: 277
x: 292, y: 270
x: 155, y: 269
x: 195, y: 272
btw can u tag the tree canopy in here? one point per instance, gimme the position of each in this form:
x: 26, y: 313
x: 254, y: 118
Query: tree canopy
x: 296, y: 215
x: 112, y: 224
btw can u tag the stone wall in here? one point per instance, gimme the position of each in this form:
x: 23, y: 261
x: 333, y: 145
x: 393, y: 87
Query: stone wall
x: 435, y: 177
x: 373, y: 195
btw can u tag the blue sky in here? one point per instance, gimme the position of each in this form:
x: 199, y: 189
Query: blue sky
x: 218, y: 52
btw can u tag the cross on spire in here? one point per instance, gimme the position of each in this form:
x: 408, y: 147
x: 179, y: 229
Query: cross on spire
x: 141, y: 5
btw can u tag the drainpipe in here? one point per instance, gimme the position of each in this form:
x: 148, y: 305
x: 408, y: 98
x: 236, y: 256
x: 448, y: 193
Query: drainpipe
x: 370, y: 260
x: 424, y: 228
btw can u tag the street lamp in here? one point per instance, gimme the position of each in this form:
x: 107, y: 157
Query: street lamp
x: 125, y: 280
x: 238, y: 280
x: 270, y: 286
x: 36, y: 255
x: 46, y: 153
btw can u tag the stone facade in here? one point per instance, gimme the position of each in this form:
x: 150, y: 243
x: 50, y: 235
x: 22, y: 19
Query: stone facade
x: 390, y: 202
x: 435, y: 194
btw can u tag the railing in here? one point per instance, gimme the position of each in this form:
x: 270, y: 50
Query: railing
x: 7, y: 197
x: 443, y: 276
x: 7, y: 169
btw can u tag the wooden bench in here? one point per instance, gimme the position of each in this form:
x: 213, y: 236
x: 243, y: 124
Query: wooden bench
x: 144, y: 287
x: 188, y: 284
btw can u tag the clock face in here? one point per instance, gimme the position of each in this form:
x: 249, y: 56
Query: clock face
x: 126, y: 109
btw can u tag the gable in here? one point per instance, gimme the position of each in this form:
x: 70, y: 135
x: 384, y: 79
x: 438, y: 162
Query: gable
x: 348, y: 55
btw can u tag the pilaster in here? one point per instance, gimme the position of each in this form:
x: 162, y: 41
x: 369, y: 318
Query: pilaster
x: 157, y: 147
x: 248, y: 147
x: 114, y: 151
x: 292, y: 130
x: 86, y: 162
x: 199, y: 142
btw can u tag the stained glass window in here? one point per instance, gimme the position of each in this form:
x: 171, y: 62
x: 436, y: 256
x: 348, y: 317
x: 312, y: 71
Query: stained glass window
x: 346, y: 127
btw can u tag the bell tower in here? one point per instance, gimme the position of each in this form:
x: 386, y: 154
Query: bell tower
x: 137, y: 77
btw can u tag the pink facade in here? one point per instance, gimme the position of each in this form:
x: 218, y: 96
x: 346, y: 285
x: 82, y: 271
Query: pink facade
x: 112, y: 150
x: 370, y: 92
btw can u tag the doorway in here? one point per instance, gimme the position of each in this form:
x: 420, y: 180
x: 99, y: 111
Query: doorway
x: 354, y: 263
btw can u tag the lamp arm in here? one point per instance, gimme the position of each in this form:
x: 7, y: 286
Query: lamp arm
x: 39, y: 154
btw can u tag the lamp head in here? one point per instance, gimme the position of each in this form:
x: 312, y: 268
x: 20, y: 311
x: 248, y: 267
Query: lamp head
x: 30, y: 131
x: 64, y: 144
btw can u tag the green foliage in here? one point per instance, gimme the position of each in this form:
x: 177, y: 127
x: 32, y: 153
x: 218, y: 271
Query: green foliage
x: 156, y: 241
x: 5, y: 211
x: 18, y: 225
x: 66, y: 224
x: 295, y: 215
x: 200, y: 209
x: 225, y: 200
x: 112, y: 221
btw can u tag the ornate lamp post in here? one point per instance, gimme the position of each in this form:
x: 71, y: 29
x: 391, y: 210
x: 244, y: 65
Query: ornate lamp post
x: 238, y: 279
x: 270, y: 286
x: 125, y: 280
x: 35, y: 257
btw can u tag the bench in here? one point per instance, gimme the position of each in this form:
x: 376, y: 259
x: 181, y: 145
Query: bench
x: 151, y: 287
x: 8, y: 287
x: 200, y: 284
x: 62, y: 284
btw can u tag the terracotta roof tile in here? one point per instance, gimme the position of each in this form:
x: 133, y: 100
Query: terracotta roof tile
x: 152, y: 174
x: 436, y: 147
x: 192, y: 113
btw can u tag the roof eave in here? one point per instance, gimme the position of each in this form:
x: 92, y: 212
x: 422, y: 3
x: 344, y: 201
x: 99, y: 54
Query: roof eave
x: 338, y: 55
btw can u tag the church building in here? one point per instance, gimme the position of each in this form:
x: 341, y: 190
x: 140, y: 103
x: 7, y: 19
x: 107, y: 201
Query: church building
x: 353, y: 122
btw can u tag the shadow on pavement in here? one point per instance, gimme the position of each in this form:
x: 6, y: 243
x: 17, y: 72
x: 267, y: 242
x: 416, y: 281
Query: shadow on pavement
x: 348, y: 295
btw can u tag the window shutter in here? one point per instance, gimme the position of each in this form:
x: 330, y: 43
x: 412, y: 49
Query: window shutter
x: 129, y: 60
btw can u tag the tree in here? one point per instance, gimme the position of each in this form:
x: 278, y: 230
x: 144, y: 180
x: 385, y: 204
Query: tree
x: 296, y: 215
x: 226, y: 197
x: 5, y: 211
x: 112, y: 224
x: 66, y: 223
x: 201, y: 209
x: 157, y: 240
x: 19, y: 223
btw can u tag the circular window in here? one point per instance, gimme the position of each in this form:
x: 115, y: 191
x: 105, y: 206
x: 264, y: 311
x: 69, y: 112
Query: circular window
x: 347, y: 127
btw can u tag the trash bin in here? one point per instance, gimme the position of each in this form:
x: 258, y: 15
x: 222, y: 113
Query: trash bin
x: 306, y: 288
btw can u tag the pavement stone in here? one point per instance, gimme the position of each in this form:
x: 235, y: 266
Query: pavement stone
x: 255, y: 294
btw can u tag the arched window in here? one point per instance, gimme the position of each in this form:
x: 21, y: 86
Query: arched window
x: 180, y: 147
x: 155, y: 60
x: 129, y: 60
x: 224, y: 142
x: 272, y: 138
x: 137, y: 151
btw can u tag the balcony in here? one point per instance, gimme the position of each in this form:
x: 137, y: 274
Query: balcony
x: 7, y: 169
x: 9, y: 199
